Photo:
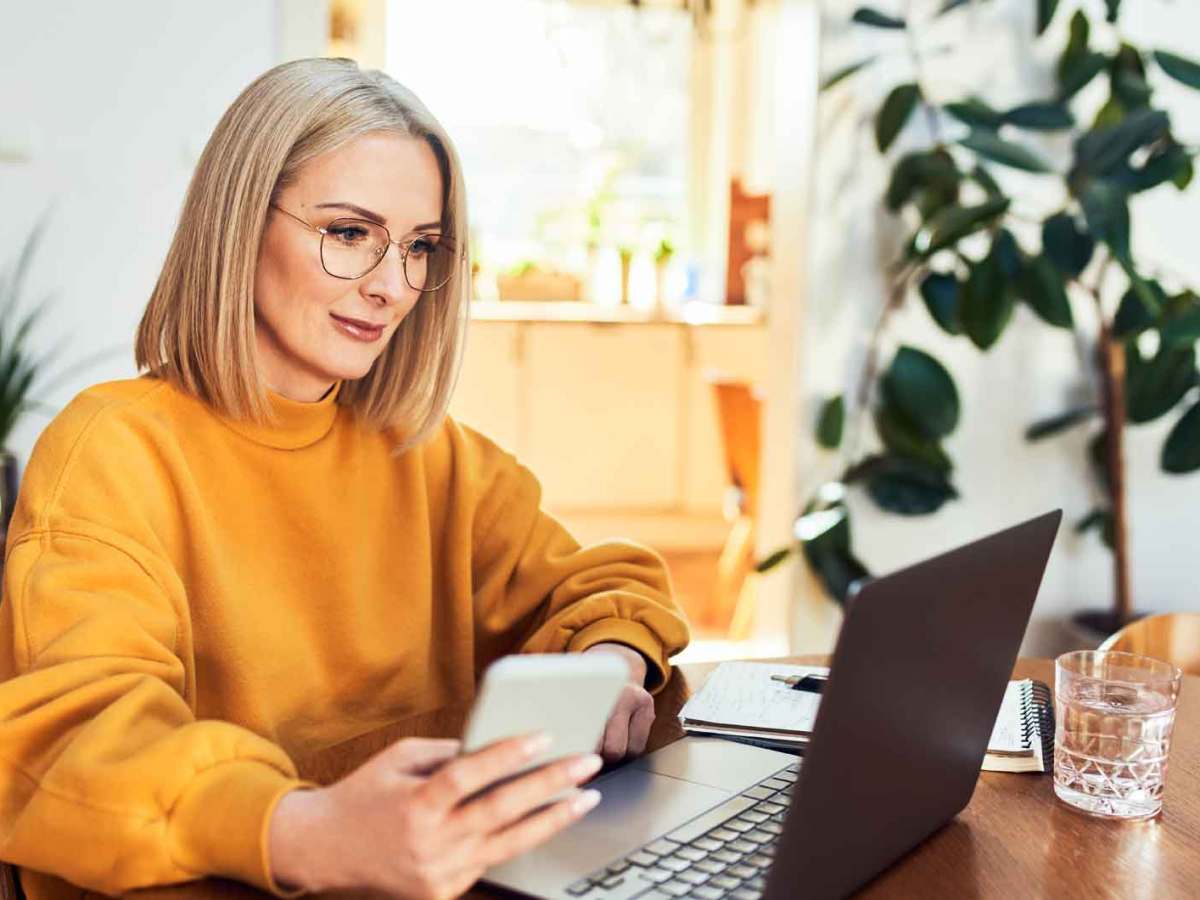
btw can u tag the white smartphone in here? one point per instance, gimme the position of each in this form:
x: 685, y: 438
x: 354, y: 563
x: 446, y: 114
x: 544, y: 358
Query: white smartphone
x: 567, y: 695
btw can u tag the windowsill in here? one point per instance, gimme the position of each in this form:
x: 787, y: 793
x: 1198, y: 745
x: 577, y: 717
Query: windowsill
x: 693, y: 313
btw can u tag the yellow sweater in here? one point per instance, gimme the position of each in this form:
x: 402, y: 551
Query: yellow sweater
x: 190, y: 601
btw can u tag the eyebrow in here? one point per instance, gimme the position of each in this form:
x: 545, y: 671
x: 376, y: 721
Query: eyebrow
x: 371, y: 216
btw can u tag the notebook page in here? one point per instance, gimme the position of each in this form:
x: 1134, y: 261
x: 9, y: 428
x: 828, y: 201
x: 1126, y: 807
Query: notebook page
x: 744, y: 695
x: 1007, y: 735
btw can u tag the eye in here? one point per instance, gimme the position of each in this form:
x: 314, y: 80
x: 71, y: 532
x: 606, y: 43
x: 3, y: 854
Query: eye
x: 422, y: 246
x: 348, y: 234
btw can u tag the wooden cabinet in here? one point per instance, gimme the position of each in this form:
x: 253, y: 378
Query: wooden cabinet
x: 611, y: 417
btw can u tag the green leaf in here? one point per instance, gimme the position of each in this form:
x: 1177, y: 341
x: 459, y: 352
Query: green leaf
x: 1169, y: 162
x: 865, y: 15
x: 995, y: 148
x: 1153, y: 386
x: 1064, y: 420
x: 928, y: 178
x: 987, y: 302
x: 1106, y: 209
x: 952, y: 224
x: 1097, y: 519
x: 1008, y: 255
x: 894, y: 113
x: 903, y: 438
x: 1079, y: 73
x: 827, y: 548
x: 1134, y: 315
x: 1181, y: 325
x: 830, y: 422
x: 1127, y: 78
x: 1068, y: 246
x: 952, y: 4
x: 1040, y: 117
x: 773, y: 559
x: 985, y: 180
x: 1112, y: 8
x: 1045, y: 13
x: 1079, y: 34
x: 922, y: 390
x: 910, y: 488
x: 939, y: 290
x: 975, y: 113
x: 1043, y: 287
x: 1181, y: 452
x: 845, y: 72
x: 1182, y: 69
x: 1103, y: 150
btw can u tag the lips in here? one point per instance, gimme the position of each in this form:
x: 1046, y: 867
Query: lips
x: 358, y: 329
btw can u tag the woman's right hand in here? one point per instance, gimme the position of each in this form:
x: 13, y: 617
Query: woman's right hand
x: 410, y: 820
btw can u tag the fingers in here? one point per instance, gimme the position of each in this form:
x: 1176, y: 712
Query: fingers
x: 539, y: 827
x: 640, y: 724
x: 459, y: 779
x: 512, y: 801
x: 418, y: 756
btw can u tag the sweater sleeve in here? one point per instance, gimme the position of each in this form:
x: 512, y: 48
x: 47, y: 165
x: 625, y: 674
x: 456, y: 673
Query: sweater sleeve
x: 107, y: 779
x: 538, y: 591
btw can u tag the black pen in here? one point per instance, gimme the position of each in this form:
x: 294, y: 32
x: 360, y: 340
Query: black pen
x: 812, y: 683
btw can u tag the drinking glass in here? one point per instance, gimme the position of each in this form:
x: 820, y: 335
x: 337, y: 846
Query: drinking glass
x: 1114, y: 716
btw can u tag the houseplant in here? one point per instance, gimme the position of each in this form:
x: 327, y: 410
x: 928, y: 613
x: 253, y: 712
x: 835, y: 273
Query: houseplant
x: 972, y: 250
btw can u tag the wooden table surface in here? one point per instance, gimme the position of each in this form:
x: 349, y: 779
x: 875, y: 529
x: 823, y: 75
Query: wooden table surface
x: 1014, y: 839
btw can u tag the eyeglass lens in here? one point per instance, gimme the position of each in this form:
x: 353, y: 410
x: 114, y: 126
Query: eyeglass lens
x: 350, y: 248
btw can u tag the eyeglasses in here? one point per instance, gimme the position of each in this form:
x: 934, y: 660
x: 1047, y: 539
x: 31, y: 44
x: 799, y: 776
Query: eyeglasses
x: 350, y: 248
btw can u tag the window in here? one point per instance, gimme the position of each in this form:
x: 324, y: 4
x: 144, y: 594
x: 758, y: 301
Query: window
x: 573, y: 123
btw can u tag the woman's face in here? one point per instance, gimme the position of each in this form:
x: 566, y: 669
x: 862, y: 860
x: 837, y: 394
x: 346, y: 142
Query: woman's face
x: 301, y: 312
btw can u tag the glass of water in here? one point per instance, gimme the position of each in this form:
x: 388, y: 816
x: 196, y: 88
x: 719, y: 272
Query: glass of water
x: 1114, y: 716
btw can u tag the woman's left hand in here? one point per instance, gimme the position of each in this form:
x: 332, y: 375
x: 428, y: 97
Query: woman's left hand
x: 628, y: 727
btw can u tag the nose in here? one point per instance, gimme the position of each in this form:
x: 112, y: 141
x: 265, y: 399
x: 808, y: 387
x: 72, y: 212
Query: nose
x: 386, y: 283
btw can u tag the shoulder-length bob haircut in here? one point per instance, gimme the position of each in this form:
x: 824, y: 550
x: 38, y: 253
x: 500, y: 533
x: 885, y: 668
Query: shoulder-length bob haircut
x: 198, y: 328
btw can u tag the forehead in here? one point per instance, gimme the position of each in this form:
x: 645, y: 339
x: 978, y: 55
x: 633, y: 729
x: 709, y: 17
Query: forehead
x: 394, y: 176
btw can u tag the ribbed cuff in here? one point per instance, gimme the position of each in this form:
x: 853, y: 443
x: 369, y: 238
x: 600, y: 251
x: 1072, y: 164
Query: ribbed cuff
x: 631, y: 634
x: 221, y: 823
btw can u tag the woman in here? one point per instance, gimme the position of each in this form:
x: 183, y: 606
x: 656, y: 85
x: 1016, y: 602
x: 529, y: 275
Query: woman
x: 275, y: 540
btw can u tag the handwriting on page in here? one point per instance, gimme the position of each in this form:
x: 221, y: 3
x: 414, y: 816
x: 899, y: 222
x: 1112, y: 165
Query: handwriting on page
x: 742, y: 694
x: 1007, y: 735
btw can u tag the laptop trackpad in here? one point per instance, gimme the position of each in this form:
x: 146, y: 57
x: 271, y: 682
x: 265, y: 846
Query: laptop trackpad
x: 637, y: 806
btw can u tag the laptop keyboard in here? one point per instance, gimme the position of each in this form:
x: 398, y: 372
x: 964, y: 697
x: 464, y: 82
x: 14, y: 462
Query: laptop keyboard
x: 725, y: 852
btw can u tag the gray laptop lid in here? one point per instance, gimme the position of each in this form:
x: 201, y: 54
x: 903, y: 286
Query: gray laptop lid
x: 917, y: 677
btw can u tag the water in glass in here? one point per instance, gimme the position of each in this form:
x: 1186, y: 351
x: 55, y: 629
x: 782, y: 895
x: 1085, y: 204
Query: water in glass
x: 1115, y: 713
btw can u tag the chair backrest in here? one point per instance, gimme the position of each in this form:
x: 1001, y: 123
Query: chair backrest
x: 1173, y: 637
x: 739, y: 411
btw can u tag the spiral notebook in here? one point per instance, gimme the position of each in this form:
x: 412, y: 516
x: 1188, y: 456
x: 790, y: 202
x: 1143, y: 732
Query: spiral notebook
x: 741, y: 702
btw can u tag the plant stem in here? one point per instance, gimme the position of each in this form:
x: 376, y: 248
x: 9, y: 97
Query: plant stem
x: 1110, y: 353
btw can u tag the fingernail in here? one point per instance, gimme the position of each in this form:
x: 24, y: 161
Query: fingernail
x: 584, y: 766
x: 585, y: 800
x: 537, y: 744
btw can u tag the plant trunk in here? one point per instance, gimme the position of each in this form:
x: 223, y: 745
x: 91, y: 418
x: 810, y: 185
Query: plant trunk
x: 1112, y: 369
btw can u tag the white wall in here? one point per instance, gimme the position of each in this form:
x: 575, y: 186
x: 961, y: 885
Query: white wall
x: 107, y: 106
x: 1032, y: 371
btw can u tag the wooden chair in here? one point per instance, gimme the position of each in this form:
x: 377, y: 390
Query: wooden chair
x: 739, y: 413
x: 10, y: 887
x: 1173, y: 637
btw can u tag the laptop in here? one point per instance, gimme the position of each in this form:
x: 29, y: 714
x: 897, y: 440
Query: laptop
x: 917, y: 677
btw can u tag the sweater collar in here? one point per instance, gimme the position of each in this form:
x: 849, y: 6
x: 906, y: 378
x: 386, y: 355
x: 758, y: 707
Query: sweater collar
x: 295, y: 423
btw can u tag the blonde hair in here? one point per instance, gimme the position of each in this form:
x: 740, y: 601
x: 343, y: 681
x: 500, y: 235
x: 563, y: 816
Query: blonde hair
x: 198, y: 328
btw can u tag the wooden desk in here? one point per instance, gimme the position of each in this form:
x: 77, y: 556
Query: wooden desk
x: 1013, y: 840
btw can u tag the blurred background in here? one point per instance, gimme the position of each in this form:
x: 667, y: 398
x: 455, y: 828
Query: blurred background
x: 813, y: 288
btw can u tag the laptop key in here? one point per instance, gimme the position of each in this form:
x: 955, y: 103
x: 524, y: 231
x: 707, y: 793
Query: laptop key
x: 580, y: 887
x: 771, y: 827
x: 723, y: 834
x: 613, y: 881
x: 739, y: 825
x: 757, y: 882
x: 758, y: 860
x: 770, y: 808
x: 758, y: 836
x: 741, y: 870
x: 777, y: 784
x: 693, y: 876
x: 707, y: 844
x: 617, y: 868
x: 758, y: 792
x: 661, y: 847
x: 656, y: 874
x: 642, y: 858
x: 754, y: 815
x: 674, y: 863
x: 727, y: 856
x: 711, y: 866
x: 745, y: 893
x: 691, y: 853
x: 724, y: 882
x: 675, y: 888
x: 741, y: 845
x: 704, y: 892
x: 794, y: 768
